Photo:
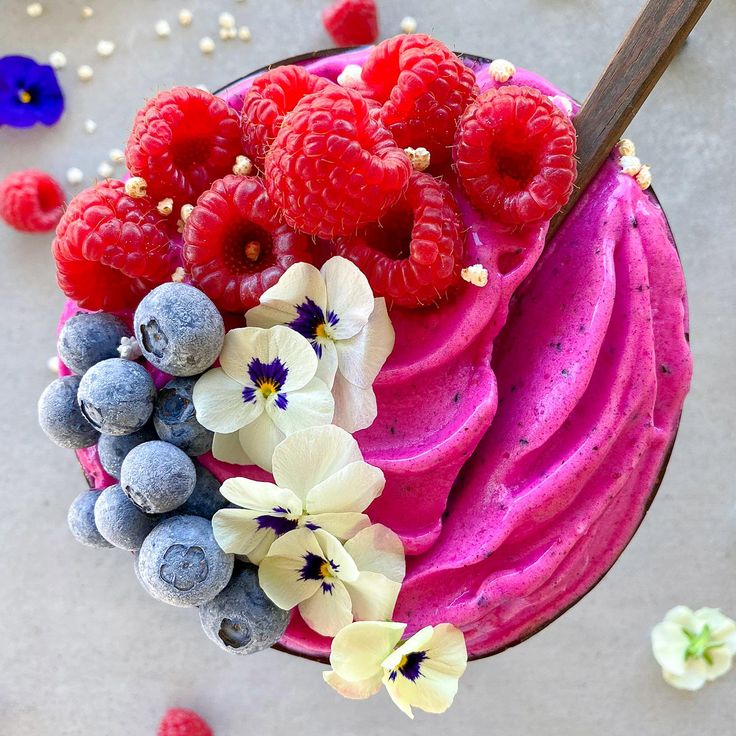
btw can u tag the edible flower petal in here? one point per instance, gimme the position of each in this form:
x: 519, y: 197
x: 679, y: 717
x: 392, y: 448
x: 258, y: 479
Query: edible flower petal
x: 312, y: 570
x: 350, y: 331
x: 264, y: 390
x: 422, y: 672
x: 322, y: 482
x: 29, y: 93
x: 694, y: 647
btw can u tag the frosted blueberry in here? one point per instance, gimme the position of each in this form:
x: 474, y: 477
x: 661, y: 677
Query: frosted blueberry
x: 242, y: 619
x: 116, y: 396
x: 179, y: 329
x: 206, y: 498
x: 181, y: 563
x: 157, y: 477
x: 88, y: 338
x: 81, y: 520
x: 61, y: 418
x: 120, y: 521
x: 112, y: 450
x: 176, y: 421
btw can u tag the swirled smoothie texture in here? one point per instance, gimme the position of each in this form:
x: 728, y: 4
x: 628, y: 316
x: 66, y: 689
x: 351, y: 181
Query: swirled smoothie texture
x: 521, y: 437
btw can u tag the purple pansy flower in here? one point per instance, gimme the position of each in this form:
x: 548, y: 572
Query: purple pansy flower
x: 29, y: 93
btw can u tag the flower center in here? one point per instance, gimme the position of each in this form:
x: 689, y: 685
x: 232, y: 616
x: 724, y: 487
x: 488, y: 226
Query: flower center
x: 268, y: 379
x: 701, y: 644
x: 409, y: 666
x: 318, y: 568
x: 24, y: 96
x: 312, y: 323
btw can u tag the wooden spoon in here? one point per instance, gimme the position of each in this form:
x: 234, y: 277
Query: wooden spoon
x: 646, y: 51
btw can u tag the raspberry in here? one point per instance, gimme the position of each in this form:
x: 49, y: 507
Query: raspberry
x: 424, y: 89
x: 236, y: 245
x: 515, y: 155
x: 270, y: 97
x: 183, y: 722
x: 333, y: 167
x: 413, y: 257
x: 182, y: 140
x: 111, y: 249
x: 31, y: 201
x: 352, y: 22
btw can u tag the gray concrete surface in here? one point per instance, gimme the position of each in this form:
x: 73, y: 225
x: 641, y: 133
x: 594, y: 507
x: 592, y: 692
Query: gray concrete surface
x: 83, y: 650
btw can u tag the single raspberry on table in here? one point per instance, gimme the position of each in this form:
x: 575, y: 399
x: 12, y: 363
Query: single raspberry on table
x: 515, y: 155
x: 182, y: 140
x: 183, y: 722
x: 333, y: 167
x: 352, y: 22
x: 111, y: 249
x: 271, y: 96
x: 414, y: 256
x: 424, y: 89
x: 236, y: 244
x: 31, y: 201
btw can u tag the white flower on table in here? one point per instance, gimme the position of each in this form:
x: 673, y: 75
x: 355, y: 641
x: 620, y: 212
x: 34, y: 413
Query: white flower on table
x: 422, y: 672
x: 322, y: 482
x: 694, y: 647
x: 264, y: 390
x: 349, y: 329
x: 331, y: 583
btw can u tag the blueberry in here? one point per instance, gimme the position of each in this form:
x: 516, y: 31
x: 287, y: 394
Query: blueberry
x: 112, y: 450
x: 179, y: 329
x: 242, y: 619
x: 116, y: 396
x: 120, y: 521
x: 60, y: 417
x: 206, y: 498
x: 87, y: 339
x: 176, y: 421
x: 157, y: 477
x: 181, y: 563
x: 81, y: 520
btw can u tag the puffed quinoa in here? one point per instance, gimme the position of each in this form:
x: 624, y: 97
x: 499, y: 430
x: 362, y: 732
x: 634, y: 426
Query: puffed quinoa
x: 476, y: 275
x: 165, y: 206
x: 501, y: 70
x: 408, y: 24
x: 85, y: 72
x: 136, y: 187
x: 420, y: 158
x: 243, y: 166
x: 163, y: 29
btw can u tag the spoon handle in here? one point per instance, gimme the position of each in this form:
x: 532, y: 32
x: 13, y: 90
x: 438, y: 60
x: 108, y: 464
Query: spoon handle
x: 636, y: 66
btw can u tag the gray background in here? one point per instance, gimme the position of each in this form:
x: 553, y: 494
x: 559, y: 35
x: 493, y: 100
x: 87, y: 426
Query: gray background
x: 84, y: 650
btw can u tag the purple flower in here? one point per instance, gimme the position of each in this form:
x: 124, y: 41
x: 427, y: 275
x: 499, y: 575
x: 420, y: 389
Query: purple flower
x: 29, y: 93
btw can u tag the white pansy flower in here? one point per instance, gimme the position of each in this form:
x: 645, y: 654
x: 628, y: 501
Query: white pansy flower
x: 422, y: 672
x: 264, y: 390
x: 350, y: 331
x: 322, y: 482
x: 331, y: 583
x: 694, y: 647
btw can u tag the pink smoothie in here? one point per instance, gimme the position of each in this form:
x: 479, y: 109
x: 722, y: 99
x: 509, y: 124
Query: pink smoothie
x: 522, y: 427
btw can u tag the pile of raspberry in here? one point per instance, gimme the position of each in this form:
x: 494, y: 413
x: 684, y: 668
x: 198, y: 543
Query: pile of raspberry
x: 366, y: 168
